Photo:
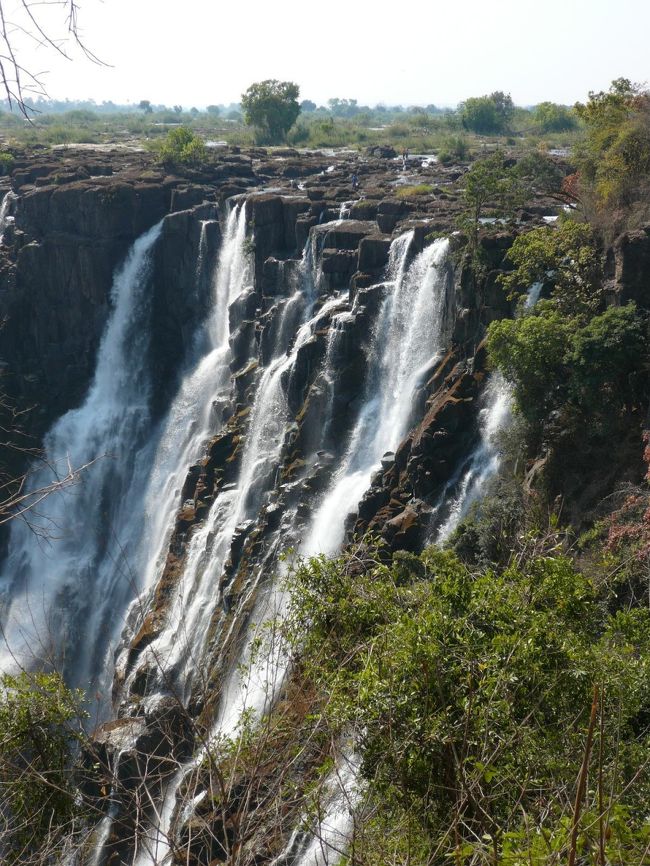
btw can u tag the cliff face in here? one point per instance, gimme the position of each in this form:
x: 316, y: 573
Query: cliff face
x: 275, y: 337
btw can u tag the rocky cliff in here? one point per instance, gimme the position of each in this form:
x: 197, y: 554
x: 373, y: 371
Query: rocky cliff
x: 308, y: 267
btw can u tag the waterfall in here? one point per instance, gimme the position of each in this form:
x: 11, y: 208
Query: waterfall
x: 68, y: 570
x: 181, y: 643
x: 409, y: 334
x: 7, y: 201
x: 190, y: 418
x: 206, y: 381
x: 495, y: 416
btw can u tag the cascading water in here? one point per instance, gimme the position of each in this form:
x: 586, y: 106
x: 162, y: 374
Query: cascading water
x: 205, y: 383
x: 486, y: 459
x: 63, y: 583
x: 182, y: 640
x: 410, y: 333
x: 494, y: 417
x: 178, y: 446
x: 5, y: 209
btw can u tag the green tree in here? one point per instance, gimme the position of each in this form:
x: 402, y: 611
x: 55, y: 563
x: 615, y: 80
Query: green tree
x: 551, y: 117
x: 531, y: 353
x: 614, y: 158
x: 491, y: 187
x: 488, y: 115
x: 470, y: 697
x: 567, y: 257
x: 145, y: 105
x: 182, y: 147
x: 608, y: 358
x: 272, y: 108
x: 40, y: 724
x: 591, y: 373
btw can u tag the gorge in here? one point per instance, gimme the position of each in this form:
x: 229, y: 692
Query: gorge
x: 236, y: 367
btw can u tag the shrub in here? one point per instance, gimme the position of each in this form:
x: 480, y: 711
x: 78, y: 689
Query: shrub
x: 565, y: 255
x: 39, y: 726
x: 6, y: 163
x: 469, y: 696
x: 182, y: 148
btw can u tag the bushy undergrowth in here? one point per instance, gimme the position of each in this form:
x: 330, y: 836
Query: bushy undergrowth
x: 479, y: 700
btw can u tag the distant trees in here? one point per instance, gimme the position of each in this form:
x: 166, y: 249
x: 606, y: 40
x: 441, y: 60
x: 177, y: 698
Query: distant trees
x: 550, y: 117
x: 145, y: 105
x: 307, y: 105
x: 488, y: 114
x: 343, y: 107
x: 272, y: 107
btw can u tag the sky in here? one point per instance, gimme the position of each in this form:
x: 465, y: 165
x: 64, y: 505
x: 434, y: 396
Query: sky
x: 199, y: 52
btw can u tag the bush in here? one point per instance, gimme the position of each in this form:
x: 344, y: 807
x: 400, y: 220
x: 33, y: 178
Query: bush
x: 182, y: 148
x: 39, y: 726
x: 469, y: 696
x: 565, y: 255
x: 6, y: 163
x: 593, y: 373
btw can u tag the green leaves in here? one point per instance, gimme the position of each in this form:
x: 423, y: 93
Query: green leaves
x: 271, y: 106
x: 470, y: 695
x: 565, y: 256
x: 39, y: 725
x: 182, y: 147
x: 590, y: 373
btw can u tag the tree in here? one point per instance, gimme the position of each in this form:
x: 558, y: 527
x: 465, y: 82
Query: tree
x: 182, y: 147
x: 490, y: 183
x: 614, y: 158
x: 566, y: 256
x: 272, y: 107
x: 20, y: 83
x: 145, y: 105
x: 213, y: 110
x: 550, y: 117
x: 488, y: 114
x: 40, y: 722
x: 308, y: 106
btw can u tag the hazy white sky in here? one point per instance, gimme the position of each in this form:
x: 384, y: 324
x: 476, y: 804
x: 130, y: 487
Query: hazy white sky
x: 197, y: 52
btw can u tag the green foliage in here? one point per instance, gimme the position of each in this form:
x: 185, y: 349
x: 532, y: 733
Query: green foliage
x: 491, y: 187
x: 614, y: 159
x: 539, y: 173
x: 272, y: 107
x: 488, y: 115
x: 6, y: 162
x: 469, y: 695
x: 531, y: 352
x: 39, y: 725
x: 591, y: 373
x: 566, y: 256
x: 550, y: 117
x: 414, y: 191
x: 607, y: 356
x: 182, y: 148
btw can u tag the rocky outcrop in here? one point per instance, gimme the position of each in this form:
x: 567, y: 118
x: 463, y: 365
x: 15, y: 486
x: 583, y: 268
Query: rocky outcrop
x: 628, y: 263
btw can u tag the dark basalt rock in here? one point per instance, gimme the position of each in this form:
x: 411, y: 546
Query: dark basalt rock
x: 629, y: 265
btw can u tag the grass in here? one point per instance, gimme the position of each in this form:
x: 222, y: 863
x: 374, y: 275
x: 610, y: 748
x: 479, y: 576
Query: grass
x: 414, y: 191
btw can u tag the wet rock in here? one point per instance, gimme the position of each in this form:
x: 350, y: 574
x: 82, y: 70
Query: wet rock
x: 373, y: 253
